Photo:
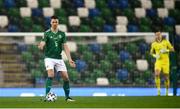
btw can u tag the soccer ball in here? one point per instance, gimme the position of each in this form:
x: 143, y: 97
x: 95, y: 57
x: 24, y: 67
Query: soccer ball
x: 52, y: 97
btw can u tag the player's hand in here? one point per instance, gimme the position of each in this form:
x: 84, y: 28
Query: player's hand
x: 164, y: 50
x: 157, y: 56
x: 72, y: 63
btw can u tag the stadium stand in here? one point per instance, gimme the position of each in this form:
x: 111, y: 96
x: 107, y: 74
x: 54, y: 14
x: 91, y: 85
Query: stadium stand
x: 95, y: 16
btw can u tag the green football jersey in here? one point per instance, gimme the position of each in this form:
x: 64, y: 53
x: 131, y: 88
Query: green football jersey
x: 54, y: 43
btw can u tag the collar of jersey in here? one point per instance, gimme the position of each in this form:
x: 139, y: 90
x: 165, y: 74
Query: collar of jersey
x: 54, y: 31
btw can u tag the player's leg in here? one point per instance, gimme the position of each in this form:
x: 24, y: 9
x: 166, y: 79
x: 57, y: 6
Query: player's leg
x: 50, y: 72
x: 157, y: 78
x: 166, y: 76
x: 66, y: 86
x: 49, y: 80
x: 61, y: 68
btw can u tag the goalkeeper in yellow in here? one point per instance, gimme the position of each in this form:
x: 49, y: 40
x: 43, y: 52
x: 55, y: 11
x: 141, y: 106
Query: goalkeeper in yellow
x: 160, y: 49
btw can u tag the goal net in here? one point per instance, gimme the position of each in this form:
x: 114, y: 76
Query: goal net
x: 102, y: 59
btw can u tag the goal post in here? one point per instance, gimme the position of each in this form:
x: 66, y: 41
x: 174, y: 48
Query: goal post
x: 108, y: 59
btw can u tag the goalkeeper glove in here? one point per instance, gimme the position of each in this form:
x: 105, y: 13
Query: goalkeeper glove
x: 157, y: 56
x: 164, y: 50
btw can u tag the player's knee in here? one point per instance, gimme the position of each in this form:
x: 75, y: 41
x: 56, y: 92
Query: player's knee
x: 66, y: 78
x: 157, y: 72
x: 50, y: 73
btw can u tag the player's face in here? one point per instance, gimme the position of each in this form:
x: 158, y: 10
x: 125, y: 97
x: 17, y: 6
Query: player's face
x: 158, y: 35
x: 54, y: 23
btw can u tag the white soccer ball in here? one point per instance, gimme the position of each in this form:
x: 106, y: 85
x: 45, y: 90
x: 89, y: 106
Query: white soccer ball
x: 51, y: 97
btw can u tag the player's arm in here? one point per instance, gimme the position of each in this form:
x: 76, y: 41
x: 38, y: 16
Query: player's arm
x: 43, y: 42
x: 152, y: 52
x: 67, y: 51
x: 170, y: 47
x: 41, y: 45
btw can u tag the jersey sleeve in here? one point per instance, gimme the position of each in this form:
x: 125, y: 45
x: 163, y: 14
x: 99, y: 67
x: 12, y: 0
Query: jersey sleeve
x: 64, y: 39
x: 169, y: 45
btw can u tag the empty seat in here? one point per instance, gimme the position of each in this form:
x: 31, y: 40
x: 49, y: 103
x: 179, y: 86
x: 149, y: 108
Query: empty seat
x: 95, y: 47
x: 55, y: 3
x: 81, y: 65
x: 101, y: 4
x: 25, y: 12
x: 177, y: 27
x: 147, y: 4
x: 122, y: 20
x: 124, y: 55
x: 32, y: 3
x: 43, y: 3
x: 62, y: 27
x: 121, y: 28
x: 85, y: 28
x: 102, y: 81
x: 112, y: 4
x: 21, y: 3
x: 162, y: 12
x: 63, y: 20
x: 3, y: 21
x: 14, y: 12
x: 90, y: 4
x: 143, y: 48
x: 29, y: 39
x: 122, y: 74
x: 13, y: 28
x: 122, y: 4
x: 169, y: 4
x: 108, y: 28
x: 47, y: 21
x: 170, y: 21
x: 9, y: 3
x: 106, y: 12
x: 98, y: 21
x: 60, y: 12
x: 37, y: 12
x: 151, y: 12
x: 102, y: 39
x: 83, y: 12
x: 94, y: 12
x: 74, y: 21
x: 157, y: 3
x: 72, y: 45
x: 140, y: 12
x: 78, y: 3
x: 145, y: 28
x: 133, y: 28
x: 142, y: 65
x: 48, y: 12
x: 37, y: 28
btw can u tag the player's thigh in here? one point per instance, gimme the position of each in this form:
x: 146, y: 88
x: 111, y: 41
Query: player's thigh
x: 157, y: 69
x: 49, y: 64
x: 64, y: 75
x: 165, y: 69
x: 50, y: 73
x: 60, y: 66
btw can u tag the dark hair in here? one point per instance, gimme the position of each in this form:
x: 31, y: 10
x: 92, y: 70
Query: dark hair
x: 54, y: 17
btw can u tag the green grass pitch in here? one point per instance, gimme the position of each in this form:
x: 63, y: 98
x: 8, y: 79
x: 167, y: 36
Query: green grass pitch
x: 93, y: 102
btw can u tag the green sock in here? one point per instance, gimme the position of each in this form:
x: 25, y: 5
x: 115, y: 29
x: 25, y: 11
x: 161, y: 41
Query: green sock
x: 48, y: 84
x: 66, y: 88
